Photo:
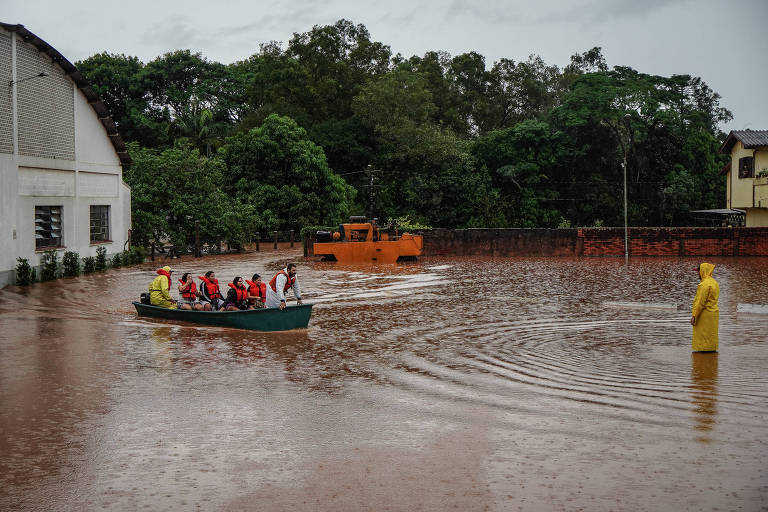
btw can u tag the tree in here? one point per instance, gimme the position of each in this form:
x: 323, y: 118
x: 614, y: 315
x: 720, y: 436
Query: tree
x: 276, y: 168
x: 338, y: 60
x: 173, y: 188
x: 117, y: 81
x: 522, y: 162
x: 672, y: 129
x: 426, y: 171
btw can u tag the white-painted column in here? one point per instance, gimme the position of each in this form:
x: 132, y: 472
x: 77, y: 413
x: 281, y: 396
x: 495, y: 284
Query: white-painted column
x: 13, y: 193
x: 78, y: 238
x: 14, y: 102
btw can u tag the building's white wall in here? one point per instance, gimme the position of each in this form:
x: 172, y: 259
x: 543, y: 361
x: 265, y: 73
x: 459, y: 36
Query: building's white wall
x: 9, y: 228
x: 92, y: 175
x: 93, y: 149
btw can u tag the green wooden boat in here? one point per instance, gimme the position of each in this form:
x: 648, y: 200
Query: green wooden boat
x: 266, y: 319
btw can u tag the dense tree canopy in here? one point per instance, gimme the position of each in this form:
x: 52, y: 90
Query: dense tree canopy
x: 332, y: 123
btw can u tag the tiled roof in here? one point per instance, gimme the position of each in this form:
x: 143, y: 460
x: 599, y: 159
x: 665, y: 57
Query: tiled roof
x: 71, y: 71
x: 750, y: 138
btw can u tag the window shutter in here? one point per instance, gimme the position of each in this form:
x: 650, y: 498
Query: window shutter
x: 746, y: 167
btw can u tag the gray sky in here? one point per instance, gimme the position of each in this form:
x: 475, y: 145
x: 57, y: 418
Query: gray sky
x: 725, y: 43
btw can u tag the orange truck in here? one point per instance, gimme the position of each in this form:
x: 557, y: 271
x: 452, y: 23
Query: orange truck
x: 361, y: 241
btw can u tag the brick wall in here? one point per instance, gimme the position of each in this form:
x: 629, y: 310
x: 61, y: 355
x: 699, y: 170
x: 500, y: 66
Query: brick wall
x: 597, y: 242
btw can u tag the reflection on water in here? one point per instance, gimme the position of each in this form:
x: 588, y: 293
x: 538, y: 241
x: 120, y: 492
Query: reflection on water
x: 704, y: 389
x: 498, y: 384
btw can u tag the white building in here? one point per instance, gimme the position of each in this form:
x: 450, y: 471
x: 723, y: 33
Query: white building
x: 61, y: 158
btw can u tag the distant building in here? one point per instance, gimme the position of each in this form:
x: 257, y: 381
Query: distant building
x: 748, y: 174
x: 61, y: 158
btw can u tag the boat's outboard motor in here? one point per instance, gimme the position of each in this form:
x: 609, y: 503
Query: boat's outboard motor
x: 323, y: 236
x: 144, y: 298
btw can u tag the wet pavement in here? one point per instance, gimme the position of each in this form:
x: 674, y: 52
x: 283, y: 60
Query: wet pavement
x: 447, y: 384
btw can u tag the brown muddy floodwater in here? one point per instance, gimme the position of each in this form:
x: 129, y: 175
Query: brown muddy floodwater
x: 447, y: 384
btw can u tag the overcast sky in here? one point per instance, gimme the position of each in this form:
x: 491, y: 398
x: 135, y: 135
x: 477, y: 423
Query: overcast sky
x: 725, y: 43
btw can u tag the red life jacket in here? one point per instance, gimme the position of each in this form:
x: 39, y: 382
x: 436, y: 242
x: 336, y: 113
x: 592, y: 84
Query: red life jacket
x: 242, y: 293
x: 288, y: 281
x: 191, y: 292
x: 257, y: 289
x: 211, y: 287
x: 167, y: 275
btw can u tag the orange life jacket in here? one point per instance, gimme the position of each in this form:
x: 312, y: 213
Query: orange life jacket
x: 191, y: 292
x: 257, y: 289
x: 242, y: 293
x: 211, y: 287
x: 288, y: 281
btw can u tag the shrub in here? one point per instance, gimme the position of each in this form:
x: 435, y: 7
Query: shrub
x: 101, y: 258
x: 136, y: 255
x: 117, y: 261
x: 71, y: 264
x: 25, y: 274
x: 89, y: 264
x: 406, y: 223
x: 50, y: 266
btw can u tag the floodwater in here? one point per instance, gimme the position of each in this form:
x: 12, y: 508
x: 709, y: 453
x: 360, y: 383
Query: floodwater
x: 447, y: 384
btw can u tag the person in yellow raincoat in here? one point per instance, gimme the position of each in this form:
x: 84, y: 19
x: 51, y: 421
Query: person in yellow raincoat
x: 705, y: 315
x: 159, y: 289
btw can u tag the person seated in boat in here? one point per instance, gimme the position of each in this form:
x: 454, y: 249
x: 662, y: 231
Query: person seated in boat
x: 257, y: 292
x: 189, y: 294
x: 210, y: 294
x: 160, y: 289
x: 280, y: 284
x: 237, y: 296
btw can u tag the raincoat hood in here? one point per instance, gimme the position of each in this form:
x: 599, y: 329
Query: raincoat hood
x: 165, y: 271
x: 705, y: 270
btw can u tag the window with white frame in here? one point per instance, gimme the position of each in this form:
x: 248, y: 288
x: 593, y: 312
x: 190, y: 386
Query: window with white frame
x: 100, y: 223
x: 48, y: 227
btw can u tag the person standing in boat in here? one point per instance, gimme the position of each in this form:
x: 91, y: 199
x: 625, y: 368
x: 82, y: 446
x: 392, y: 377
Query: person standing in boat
x: 188, y: 292
x: 237, y: 296
x: 257, y: 292
x: 279, y: 286
x: 705, y: 315
x: 160, y: 289
x: 210, y: 294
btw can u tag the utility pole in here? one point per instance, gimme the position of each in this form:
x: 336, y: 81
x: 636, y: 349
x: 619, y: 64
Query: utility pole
x: 627, y: 122
x: 371, y: 172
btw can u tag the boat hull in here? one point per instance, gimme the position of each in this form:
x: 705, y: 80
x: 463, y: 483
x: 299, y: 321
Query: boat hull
x: 265, y: 319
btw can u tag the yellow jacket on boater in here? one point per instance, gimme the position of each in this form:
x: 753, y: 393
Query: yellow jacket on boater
x: 705, y: 311
x: 159, y: 289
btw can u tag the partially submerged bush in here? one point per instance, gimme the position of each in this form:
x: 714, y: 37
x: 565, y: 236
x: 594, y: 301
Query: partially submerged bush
x: 135, y: 255
x: 25, y: 274
x: 117, y: 261
x: 50, y: 266
x: 89, y: 265
x: 71, y: 264
x: 101, y: 259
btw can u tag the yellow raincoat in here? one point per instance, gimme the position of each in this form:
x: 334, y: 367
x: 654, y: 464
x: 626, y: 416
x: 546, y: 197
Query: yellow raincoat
x: 705, y: 311
x: 159, y: 289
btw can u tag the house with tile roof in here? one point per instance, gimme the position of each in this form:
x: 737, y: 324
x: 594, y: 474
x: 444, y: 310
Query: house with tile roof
x: 747, y: 174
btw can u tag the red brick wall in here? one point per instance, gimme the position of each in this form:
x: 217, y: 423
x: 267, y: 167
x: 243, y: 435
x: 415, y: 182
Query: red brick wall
x: 597, y: 242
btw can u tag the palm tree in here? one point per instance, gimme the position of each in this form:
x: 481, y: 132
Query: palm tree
x: 195, y: 123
